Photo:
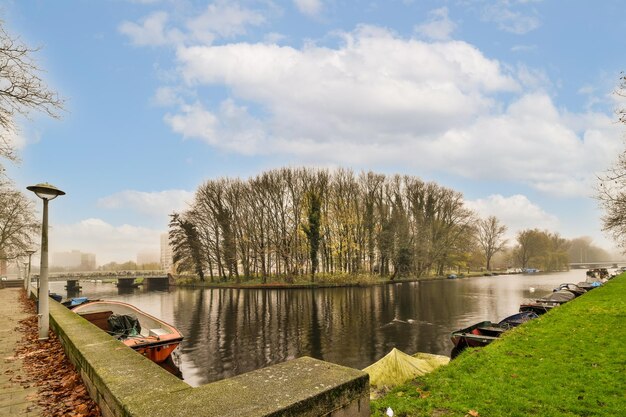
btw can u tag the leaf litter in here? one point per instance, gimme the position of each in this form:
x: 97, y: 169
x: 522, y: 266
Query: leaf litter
x: 61, y: 391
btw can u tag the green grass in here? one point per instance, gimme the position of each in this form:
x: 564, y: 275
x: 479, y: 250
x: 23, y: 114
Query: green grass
x: 569, y: 362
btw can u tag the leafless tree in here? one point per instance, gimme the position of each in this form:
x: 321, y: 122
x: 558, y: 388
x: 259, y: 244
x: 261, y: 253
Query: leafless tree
x: 17, y: 223
x: 490, y: 236
x: 268, y: 226
x: 22, y: 89
x: 611, y: 190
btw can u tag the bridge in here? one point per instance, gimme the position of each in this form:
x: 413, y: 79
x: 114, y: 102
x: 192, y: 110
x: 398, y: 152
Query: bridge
x: 592, y: 265
x: 125, y: 279
x: 103, y: 275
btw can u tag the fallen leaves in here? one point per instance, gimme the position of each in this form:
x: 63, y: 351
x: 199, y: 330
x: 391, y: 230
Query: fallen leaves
x: 472, y: 413
x: 61, y: 391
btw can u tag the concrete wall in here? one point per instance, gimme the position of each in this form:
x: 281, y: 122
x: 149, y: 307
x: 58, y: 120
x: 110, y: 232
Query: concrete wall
x: 125, y: 383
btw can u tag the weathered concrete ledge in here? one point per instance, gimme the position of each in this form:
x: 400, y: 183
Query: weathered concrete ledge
x: 125, y: 383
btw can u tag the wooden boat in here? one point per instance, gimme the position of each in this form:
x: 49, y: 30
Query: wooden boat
x: 148, y: 335
x: 479, y: 334
x: 547, y: 303
x: 485, y: 332
x: 536, y: 307
x: 573, y: 288
x: 517, y: 319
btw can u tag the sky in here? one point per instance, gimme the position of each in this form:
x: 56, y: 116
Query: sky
x: 510, y: 102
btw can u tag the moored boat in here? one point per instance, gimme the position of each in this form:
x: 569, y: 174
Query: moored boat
x: 547, y: 303
x: 485, y: 332
x: 517, y: 319
x: 479, y: 334
x: 148, y: 335
x: 573, y: 288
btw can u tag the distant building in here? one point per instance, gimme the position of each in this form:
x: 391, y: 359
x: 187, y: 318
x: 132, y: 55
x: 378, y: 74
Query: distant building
x: 148, y: 257
x: 74, y: 260
x: 88, y: 261
x: 166, y: 253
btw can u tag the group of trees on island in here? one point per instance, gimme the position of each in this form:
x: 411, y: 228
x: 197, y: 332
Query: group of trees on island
x: 294, y: 222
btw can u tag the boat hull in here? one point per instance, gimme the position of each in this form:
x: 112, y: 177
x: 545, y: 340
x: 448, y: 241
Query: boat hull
x: 156, y: 340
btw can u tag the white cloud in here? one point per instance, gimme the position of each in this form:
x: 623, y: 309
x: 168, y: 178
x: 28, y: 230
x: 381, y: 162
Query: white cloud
x: 534, y: 143
x: 151, y: 31
x: 309, y: 7
x: 439, y: 27
x: 167, y: 96
x: 517, y: 212
x: 223, y: 19
x: 232, y: 128
x: 383, y: 100
x: 154, y: 204
x: 507, y: 18
x: 108, y: 242
x: 374, y: 88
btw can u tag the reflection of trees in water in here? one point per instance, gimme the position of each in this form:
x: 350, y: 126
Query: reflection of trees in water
x: 232, y: 331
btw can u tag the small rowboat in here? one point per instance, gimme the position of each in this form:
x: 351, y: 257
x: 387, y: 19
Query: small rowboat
x: 573, y: 288
x: 148, y: 335
x: 547, y: 303
x: 485, y: 332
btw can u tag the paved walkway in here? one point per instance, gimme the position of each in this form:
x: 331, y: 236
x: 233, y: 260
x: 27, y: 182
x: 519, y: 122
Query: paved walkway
x: 15, y: 398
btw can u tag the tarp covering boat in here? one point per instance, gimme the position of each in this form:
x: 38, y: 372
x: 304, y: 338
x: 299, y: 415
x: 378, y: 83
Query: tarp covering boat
x: 560, y: 296
x: 397, y: 367
x: 124, y: 325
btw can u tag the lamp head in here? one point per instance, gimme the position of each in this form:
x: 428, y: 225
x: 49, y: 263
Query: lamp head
x: 45, y: 191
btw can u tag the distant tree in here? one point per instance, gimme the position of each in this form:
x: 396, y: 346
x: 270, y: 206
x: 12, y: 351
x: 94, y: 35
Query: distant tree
x: 542, y: 249
x: 312, y: 229
x: 490, y: 237
x: 611, y: 191
x: 530, y: 244
x: 583, y: 250
x: 21, y: 89
x: 17, y: 223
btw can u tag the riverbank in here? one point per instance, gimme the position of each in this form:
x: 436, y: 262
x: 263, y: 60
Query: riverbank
x: 569, y: 362
x: 322, y: 281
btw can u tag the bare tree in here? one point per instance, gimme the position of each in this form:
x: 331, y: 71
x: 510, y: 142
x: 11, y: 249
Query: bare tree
x: 611, y: 191
x: 21, y: 89
x: 490, y: 236
x: 17, y: 223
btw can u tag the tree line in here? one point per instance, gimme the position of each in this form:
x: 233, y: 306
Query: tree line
x: 292, y: 222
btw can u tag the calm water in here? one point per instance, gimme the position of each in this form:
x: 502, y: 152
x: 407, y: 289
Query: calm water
x: 232, y: 331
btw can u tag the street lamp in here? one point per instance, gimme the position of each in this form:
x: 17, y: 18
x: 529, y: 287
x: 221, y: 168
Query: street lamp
x: 30, y: 254
x: 46, y: 192
x: 26, y: 276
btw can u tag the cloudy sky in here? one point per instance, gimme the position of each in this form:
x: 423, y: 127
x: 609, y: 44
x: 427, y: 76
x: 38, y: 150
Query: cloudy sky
x: 508, y: 101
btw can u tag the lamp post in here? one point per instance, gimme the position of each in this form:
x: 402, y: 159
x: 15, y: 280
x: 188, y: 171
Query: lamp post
x: 26, y: 276
x: 30, y: 254
x: 46, y: 192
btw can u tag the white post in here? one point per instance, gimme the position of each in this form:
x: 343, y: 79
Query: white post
x: 44, y: 306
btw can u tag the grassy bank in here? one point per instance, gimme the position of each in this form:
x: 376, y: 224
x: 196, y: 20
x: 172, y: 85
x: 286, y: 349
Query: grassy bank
x: 569, y: 362
x: 321, y: 281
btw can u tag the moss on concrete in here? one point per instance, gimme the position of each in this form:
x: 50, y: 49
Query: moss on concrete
x: 130, y: 385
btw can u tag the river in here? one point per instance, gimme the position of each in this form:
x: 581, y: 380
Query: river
x: 232, y: 331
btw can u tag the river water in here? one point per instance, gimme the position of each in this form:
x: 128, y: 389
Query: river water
x: 232, y: 331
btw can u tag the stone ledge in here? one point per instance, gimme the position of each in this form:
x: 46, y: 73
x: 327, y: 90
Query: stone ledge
x: 125, y: 383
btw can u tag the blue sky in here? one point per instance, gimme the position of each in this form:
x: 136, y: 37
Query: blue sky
x: 507, y: 101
